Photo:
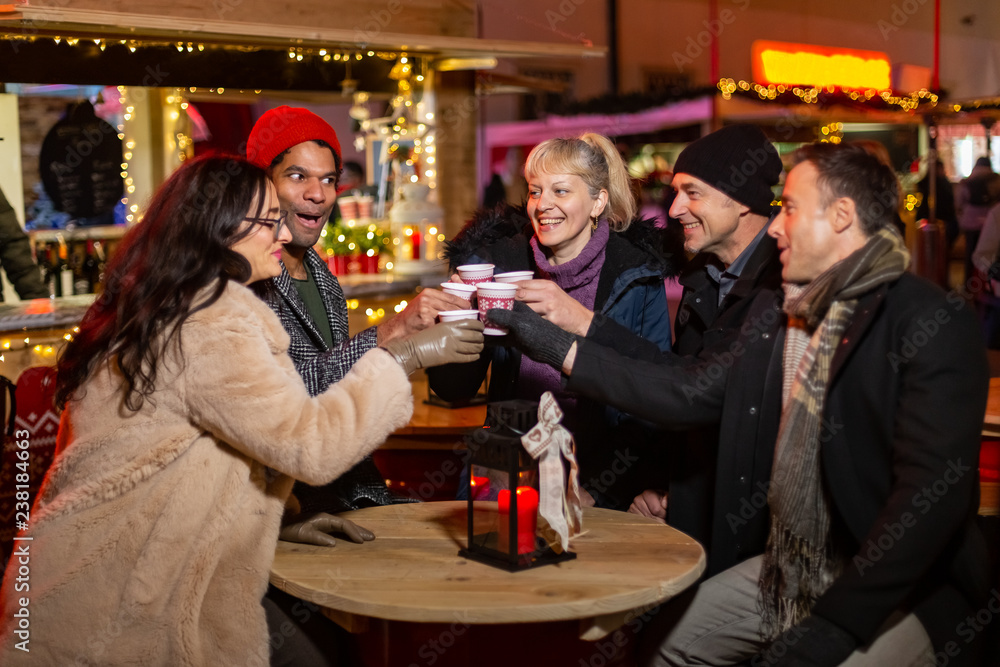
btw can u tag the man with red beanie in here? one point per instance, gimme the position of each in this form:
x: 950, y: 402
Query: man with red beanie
x: 302, y: 156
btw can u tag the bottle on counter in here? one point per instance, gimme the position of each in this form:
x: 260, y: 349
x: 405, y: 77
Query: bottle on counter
x: 93, y: 266
x: 77, y: 260
x: 50, y: 269
x: 65, y: 271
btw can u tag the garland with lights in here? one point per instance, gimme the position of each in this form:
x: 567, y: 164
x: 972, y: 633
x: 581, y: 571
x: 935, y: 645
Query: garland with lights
x: 988, y: 104
x: 825, y: 96
x: 294, y: 53
x: 869, y: 99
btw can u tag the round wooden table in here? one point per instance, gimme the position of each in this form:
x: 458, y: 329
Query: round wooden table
x: 412, y: 572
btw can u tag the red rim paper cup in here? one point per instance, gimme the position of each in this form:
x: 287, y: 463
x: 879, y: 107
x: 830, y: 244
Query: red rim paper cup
x: 473, y: 274
x: 494, y: 295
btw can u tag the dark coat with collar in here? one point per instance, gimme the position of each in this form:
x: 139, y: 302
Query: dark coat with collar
x: 902, y: 416
x: 612, y: 447
x: 719, y: 468
x: 321, y: 366
x: 703, y: 473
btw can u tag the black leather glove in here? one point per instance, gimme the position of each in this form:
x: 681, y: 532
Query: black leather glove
x: 314, y: 529
x: 534, y: 335
x: 445, y: 343
x: 815, y: 642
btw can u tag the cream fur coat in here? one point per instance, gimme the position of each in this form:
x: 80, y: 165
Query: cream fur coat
x: 155, y: 530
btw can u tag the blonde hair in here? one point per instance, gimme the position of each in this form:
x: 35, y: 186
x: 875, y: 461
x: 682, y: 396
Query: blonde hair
x: 594, y: 158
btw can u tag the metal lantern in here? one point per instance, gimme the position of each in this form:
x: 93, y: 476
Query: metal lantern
x: 505, y: 533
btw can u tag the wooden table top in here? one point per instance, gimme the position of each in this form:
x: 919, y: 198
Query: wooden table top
x: 412, y: 571
x: 991, y: 423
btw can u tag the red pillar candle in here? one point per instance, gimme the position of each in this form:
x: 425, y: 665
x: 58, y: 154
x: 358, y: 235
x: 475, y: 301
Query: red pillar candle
x: 527, y: 519
x: 415, y: 243
x: 481, y: 488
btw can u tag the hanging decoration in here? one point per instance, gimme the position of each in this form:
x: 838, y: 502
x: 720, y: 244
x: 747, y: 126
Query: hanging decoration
x: 405, y: 133
x: 824, y: 96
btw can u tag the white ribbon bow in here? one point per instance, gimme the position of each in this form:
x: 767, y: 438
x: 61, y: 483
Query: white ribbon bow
x: 548, y: 441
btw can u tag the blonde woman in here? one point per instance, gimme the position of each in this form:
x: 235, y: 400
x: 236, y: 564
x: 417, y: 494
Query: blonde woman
x: 593, y: 262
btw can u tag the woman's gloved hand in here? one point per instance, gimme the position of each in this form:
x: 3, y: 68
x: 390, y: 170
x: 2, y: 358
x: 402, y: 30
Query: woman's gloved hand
x: 316, y: 528
x: 444, y: 343
x: 534, y: 335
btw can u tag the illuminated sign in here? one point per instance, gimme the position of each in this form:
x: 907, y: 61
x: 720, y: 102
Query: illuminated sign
x: 809, y: 65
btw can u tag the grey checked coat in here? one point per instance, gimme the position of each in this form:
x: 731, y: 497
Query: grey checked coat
x: 320, y: 366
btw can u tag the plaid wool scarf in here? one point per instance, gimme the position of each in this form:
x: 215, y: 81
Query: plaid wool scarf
x: 800, y: 561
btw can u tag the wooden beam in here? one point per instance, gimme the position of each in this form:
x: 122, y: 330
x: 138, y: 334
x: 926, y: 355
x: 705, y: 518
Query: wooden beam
x: 86, y: 23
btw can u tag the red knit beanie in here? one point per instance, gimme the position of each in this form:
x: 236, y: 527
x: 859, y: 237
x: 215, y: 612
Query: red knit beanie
x: 281, y: 128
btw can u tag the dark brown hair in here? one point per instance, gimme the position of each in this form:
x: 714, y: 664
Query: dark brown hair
x: 183, y: 245
x: 850, y: 171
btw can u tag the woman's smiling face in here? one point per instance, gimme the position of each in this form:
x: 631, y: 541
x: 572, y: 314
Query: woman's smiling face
x: 561, y: 207
x: 262, y: 246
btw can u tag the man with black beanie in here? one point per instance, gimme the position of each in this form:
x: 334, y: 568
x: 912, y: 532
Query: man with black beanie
x: 724, y: 193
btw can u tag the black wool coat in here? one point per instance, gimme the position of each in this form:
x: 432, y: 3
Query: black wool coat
x: 902, y: 423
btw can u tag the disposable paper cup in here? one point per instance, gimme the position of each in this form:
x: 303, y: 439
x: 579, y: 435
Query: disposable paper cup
x: 494, y: 295
x: 513, y: 276
x: 348, y: 208
x: 364, y: 207
x: 458, y: 289
x: 453, y: 315
x: 473, y: 274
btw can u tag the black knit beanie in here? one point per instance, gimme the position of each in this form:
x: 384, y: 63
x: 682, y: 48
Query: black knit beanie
x: 737, y: 160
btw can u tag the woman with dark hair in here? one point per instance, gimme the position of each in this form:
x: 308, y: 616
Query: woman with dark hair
x: 594, y: 260
x: 184, y: 423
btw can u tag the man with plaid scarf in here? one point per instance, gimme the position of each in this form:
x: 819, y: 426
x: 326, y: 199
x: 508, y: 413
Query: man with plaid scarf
x: 874, y: 556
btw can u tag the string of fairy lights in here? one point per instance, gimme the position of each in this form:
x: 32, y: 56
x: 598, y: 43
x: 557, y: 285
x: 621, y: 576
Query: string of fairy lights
x: 39, y: 349
x: 825, y: 95
x: 298, y: 53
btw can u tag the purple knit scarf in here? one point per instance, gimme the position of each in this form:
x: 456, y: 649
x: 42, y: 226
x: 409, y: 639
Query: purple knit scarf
x: 578, y: 278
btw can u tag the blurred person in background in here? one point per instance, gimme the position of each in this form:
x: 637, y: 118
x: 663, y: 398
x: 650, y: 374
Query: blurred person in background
x: 15, y: 256
x: 976, y: 196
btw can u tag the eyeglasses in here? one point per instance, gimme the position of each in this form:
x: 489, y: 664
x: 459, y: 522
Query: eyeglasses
x: 275, y: 224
